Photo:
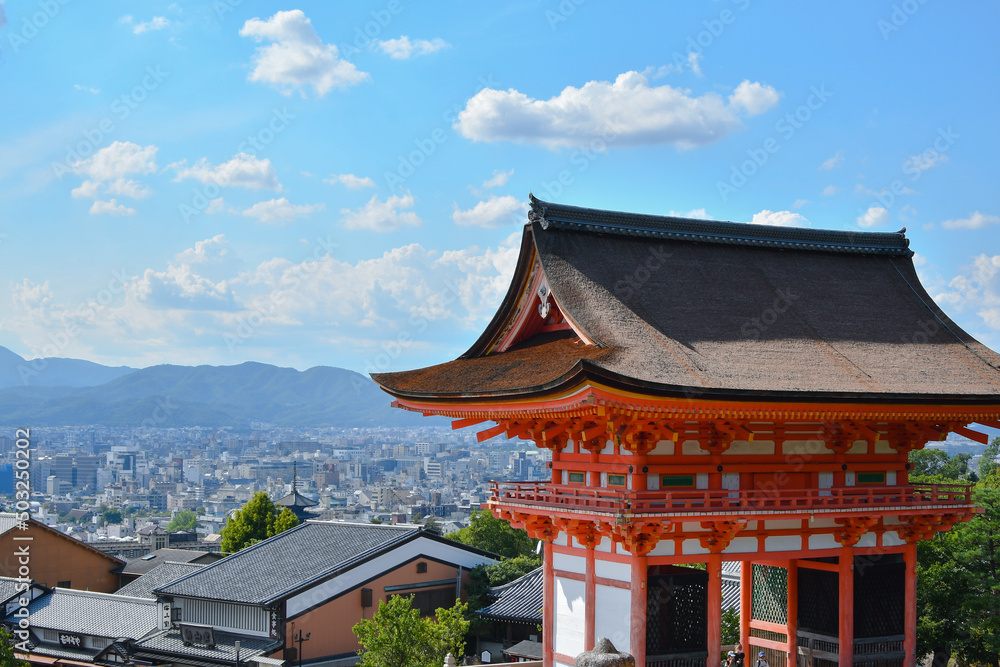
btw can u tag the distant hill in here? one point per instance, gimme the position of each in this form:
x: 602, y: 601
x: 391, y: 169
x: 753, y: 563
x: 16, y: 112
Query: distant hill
x: 180, y: 396
x: 15, y: 371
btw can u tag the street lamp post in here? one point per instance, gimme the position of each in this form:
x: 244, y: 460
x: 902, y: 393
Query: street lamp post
x: 299, y: 637
x: 237, y: 653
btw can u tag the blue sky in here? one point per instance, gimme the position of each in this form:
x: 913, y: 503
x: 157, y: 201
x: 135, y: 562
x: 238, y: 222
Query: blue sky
x: 344, y: 183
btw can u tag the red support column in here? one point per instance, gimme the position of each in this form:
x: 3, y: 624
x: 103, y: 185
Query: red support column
x: 637, y: 616
x: 590, y: 594
x: 910, y: 611
x: 714, y: 610
x: 746, y: 600
x: 846, y: 607
x: 549, y: 608
x: 793, y: 613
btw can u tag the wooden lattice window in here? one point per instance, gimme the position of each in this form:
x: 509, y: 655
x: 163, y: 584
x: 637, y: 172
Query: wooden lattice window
x: 616, y: 480
x: 676, y: 481
x: 770, y: 594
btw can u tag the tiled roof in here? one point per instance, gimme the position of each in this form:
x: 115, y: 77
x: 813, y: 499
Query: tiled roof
x: 8, y: 588
x: 295, y: 499
x: 87, y: 613
x: 280, y: 565
x: 8, y: 520
x: 525, y: 649
x: 169, y: 642
x: 156, y: 558
x: 162, y: 575
x: 520, y: 600
x: 57, y: 651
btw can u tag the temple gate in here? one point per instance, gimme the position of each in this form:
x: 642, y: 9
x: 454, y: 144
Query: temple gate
x: 716, y: 391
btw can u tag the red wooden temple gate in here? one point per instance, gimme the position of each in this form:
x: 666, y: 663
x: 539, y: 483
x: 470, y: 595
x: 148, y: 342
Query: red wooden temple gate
x: 719, y: 391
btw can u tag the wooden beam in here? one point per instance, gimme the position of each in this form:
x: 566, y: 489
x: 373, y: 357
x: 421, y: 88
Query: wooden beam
x: 981, y: 438
x: 462, y: 423
x: 490, y: 432
x: 989, y: 424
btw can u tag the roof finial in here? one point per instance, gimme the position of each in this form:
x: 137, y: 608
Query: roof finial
x: 295, y: 475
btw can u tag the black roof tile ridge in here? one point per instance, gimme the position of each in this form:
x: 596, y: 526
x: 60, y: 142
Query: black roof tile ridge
x: 716, y: 231
x: 110, y: 597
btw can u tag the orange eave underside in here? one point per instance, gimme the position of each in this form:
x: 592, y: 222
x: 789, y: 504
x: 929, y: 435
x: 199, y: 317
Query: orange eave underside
x: 592, y: 398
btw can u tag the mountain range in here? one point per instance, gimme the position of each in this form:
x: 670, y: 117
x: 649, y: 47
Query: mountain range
x: 72, y: 392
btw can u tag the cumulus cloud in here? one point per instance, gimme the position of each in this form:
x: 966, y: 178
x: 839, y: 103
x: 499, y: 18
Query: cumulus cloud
x: 917, y: 164
x: 626, y: 112
x: 779, y: 219
x: 499, y: 179
x: 830, y: 190
x: 403, y: 47
x: 975, y: 221
x: 110, y: 207
x: 754, y: 97
x: 118, y: 160
x: 875, y: 216
x: 243, y: 170
x: 833, y: 162
x: 799, y: 203
x: 155, y: 23
x: 697, y: 213
x: 280, y: 211
x: 297, y: 58
x: 976, y: 289
x: 350, y: 181
x: 493, y: 212
x: 382, y: 216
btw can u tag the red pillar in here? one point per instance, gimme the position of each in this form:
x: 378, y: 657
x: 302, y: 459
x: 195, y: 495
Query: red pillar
x: 714, y: 610
x: 846, y: 607
x: 549, y: 608
x: 590, y: 594
x: 793, y: 612
x: 910, y: 612
x: 746, y: 599
x: 637, y: 615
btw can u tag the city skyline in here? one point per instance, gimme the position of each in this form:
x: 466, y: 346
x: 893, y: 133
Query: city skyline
x: 345, y: 185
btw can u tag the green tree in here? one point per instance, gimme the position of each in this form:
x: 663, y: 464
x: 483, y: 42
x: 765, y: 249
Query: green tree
x: 958, y: 582
x: 258, y: 520
x: 7, y: 657
x: 111, y: 515
x: 184, y: 520
x: 730, y: 626
x: 397, y: 636
x: 488, y: 533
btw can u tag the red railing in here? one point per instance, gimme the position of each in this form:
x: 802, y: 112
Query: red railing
x: 615, y: 501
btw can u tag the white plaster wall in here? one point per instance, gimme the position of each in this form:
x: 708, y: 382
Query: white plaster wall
x: 825, y: 541
x: 883, y: 447
x: 823, y: 523
x: 693, y: 448
x: 560, y: 540
x: 611, y: 616
x: 663, y: 448
x: 891, y: 520
x: 567, y: 563
x: 782, y: 525
x: 701, y: 480
x: 604, y: 545
x: 692, y: 547
x: 848, y: 479
x: 663, y: 548
x: 570, y: 616
x: 744, y: 448
x: 804, y: 447
x: 868, y: 540
x: 652, y: 482
x: 859, y: 447
x: 609, y: 569
x: 609, y: 448
x: 890, y: 478
x: 742, y: 545
x: 783, y: 543
x: 890, y: 538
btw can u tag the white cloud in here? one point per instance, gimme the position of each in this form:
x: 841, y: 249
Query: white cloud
x: 350, y: 181
x: 830, y: 190
x: 627, y: 112
x: 88, y: 189
x: 833, y: 162
x: 874, y: 217
x: 297, y: 58
x: 87, y: 89
x: 111, y: 207
x: 217, y: 205
x: 754, y: 97
x: 694, y: 61
x: 204, y: 251
x: 975, y: 221
x: 119, y: 159
x: 977, y: 289
x: 156, y: 23
x: 493, y: 212
x: 403, y: 47
x: 697, y: 213
x: 281, y: 211
x: 799, y: 203
x: 779, y: 219
x: 242, y: 170
x: 126, y: 187
x: 379, y: 216
x: 917, y: 164
x: 499, y: 179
